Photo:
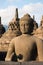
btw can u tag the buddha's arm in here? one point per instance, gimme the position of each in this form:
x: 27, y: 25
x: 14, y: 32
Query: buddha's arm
x: 10, y: 52
x: 40, y: 49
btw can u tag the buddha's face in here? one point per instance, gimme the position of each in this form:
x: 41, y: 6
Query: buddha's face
x: 24, y: 27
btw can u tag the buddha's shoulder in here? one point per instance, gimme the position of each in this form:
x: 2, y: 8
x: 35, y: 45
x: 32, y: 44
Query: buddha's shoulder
x: 22, y: 37
x: 34, y: 38
x: 16, y: 38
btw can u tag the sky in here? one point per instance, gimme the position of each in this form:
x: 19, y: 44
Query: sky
x: 32, y: 7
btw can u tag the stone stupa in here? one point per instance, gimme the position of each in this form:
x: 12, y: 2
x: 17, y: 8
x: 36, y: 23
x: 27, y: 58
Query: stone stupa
x: 35, y: 25
x: 2, y: 29
x: 13, y: 31
x: 39, y: 31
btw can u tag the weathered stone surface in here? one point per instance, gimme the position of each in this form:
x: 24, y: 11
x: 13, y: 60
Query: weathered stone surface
x: 39, y: 33
x: 9, y: 63
x: 32, y: 63
x: 21, y: 63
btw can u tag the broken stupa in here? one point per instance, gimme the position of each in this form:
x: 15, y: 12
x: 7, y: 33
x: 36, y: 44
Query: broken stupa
x: 39, y: 31
x: 35, y: 25
x: 13, y: 31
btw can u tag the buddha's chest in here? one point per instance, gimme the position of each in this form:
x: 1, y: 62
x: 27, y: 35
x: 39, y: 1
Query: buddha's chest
x: 24, y: 46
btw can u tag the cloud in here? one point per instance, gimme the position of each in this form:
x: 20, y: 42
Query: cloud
x: 7, y: 14
x: 33, y: 9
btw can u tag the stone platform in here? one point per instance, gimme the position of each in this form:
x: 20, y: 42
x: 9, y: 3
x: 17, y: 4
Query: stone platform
x: 21, y: 63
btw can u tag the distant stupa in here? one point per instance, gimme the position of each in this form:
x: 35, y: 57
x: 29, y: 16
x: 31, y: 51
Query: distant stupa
x: 2, y: 29
x: 15, y: 21
x: 13, y: 31
x: 35, y: 25
x: 16, y: 18
x: 33, y: 17
x: 0, y: 20
x: 16, y: 14
x: 41, y: 21
x: 39, y: 31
